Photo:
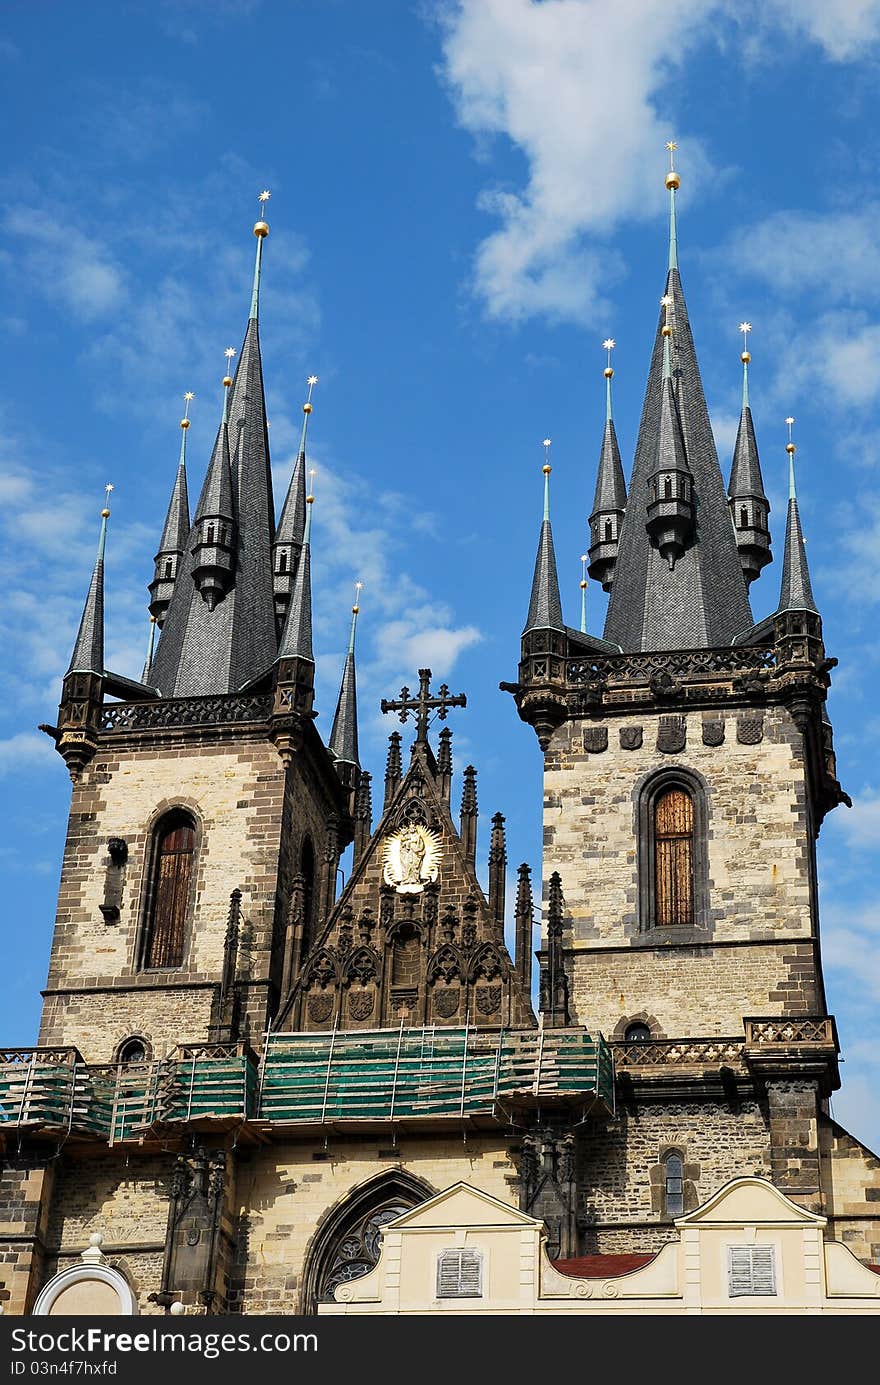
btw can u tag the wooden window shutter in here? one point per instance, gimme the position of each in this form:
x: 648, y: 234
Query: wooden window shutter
x: 674, y: 858
x: 751, y: 1270
x: 460, y: 1274
x: 171, y: 882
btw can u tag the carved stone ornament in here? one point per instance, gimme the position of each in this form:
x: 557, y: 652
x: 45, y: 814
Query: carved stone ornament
x: 631, y: 737
x: 447, y: 999
x: 412, y: 859
x: 320, y: 1008
x: 750, y: 730
x: 360, y: 1003
x: 713, y: 731
x: 672, y: 735
x: 662, y: 684
x: 595, y: 739
x: 488, y: 999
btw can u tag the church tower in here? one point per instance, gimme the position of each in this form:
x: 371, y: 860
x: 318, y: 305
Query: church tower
x: 204, y: 801
x: 688, y: 765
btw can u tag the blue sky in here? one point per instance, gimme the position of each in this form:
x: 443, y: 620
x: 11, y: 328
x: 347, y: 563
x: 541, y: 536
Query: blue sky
x: 466, y: 199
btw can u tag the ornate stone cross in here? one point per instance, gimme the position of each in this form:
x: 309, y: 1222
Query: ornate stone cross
x: 423, y: 704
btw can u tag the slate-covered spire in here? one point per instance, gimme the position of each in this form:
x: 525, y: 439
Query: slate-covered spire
x: 545, y: 607
x: 88, y: 649
x: 670, y: 507
x: 749, y: 506
x: 796, y: 593
x: 296, y: 638
x: 609, y: 502
x: 344, y: 736
x: 203, y: 651
x: 151, y: 650
x: 213, y: 545
x: 702, y: 601
x: 175, y: 533
x: 289, y: 534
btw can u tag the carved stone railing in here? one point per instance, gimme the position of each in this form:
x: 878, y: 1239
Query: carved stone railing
x: 185, y: 711
x: 686, y: 663
x: 678, y: 1053
x: 812, y: 1030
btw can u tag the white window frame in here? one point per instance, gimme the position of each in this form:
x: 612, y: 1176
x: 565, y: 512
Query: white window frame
x: 459, y: 1252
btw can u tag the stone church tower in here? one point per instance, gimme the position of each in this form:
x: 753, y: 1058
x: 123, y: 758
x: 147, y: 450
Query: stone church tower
x: 243, y: 1075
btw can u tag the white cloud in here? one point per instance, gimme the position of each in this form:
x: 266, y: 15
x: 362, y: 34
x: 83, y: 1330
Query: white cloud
x: 26, y: 750
x: 724, y: 428
x: 792, y: 251
x: 548, y: 76
x: 860, y: 825
x: 67, y: 265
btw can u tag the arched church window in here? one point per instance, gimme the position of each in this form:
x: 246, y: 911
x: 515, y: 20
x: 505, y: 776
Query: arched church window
x: 667, y: 487
x: 282, y: 561
x: 609, y: 531
x: 637, y: 1033
x: 673, y: 1183
x: 174, y: 843
x: 307, y: 871
x: 674, y: 858
x: 169, y: 567
x: 743, y: 517
x: 672, y: 851
x: 131, y: 1052
x: 210, y: 535
x: 348, y: 1244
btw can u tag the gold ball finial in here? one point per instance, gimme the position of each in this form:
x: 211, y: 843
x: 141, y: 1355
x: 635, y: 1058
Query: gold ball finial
x: 184, y: 423
x: 546, y: 468
x: 673, y: 181
x: 261, y: 227
x: 307, y: 408
x: 608, y: 372
x: 666, y: 330
x: 227, y: 381
x: 105, y: 514
x: 152, y: 620
x: 583, y: 586
x: 790, y: 448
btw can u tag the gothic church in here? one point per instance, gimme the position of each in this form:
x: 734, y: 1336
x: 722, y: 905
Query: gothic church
x: 245, y: 1080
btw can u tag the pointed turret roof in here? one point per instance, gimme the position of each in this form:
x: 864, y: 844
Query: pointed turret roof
x: 610, y: 485
x: 545, y: 607
x: 796, y: 593
x: 216, y: 494
x: 177, y: 523
x: 296, y: 640
x: 344, y: 736
x: 703, y: 601
x: 88, y: 649
x: 206, y: 651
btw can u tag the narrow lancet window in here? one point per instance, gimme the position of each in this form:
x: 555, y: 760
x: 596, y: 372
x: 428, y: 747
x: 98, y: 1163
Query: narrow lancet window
x: 674, y: 858
x: 172, y: 874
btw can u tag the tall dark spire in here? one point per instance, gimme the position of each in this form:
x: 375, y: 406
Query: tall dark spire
x: 175, y: 533
x: 88, y: 649
x: 609, y: 502
x: 796, y: 593
x: 213, y: 546
x: 545, y: 607
x: 289, y: 534
x: 296, y: 639
x: 749, y: 506
x: 670, y: 483
x: 702, y: 600
x: 344, y: 736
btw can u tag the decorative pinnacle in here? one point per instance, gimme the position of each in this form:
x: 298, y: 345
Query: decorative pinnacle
x: 745, y: 357
x: 546, y: 469
x: 261, y: 231
x: 105, y: 513
x: 229, y: 353
x: 666, y: 332
x: 608, y: 345
x: 790, y: 449
x: 584, y: 558
x: 188, y: 398
x: 358, y: 587
x: 307, y: 409
x: 673, y: 182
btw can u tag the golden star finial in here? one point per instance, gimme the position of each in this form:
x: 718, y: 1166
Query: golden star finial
x: 229, y: 352
x: 666, y: 301
x: 312, y: 380
x: 189, y: 396
x: 745, y: 328
x: 109, y: 487
x: 265, y: 195
x: 609, y: 344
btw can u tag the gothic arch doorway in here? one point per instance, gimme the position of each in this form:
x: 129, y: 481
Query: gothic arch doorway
x: 346, y: 1245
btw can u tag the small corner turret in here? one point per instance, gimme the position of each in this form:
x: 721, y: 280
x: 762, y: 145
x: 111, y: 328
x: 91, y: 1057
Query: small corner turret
x: 214, y: 528
x: 749, y: 506
x: 174, y: 534
x: 609, y: 502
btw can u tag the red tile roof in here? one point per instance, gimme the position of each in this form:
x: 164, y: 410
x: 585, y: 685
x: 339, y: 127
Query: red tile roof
x: 600, y: 1266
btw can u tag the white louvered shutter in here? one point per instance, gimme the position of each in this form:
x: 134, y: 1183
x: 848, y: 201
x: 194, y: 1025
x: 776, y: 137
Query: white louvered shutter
x: 751, y: 1270
x: 459, y: 1274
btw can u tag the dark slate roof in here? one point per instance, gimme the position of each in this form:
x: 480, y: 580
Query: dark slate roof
x: 670, y: 455
x: 344, y: 736
x: 203, y: 652
x: 88, y: 650
x: 293, y: 516
x: 545, y: 607
x: 704, y: 600
x: 296, y: 639
x: 216, y: 496
x: 177, y: 525
x: 610, y: 485
x: 745, y: 472
x: 796, y: 593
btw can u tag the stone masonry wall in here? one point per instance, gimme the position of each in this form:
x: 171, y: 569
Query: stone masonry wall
x: 237, y: 793
x: 759, y: 870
